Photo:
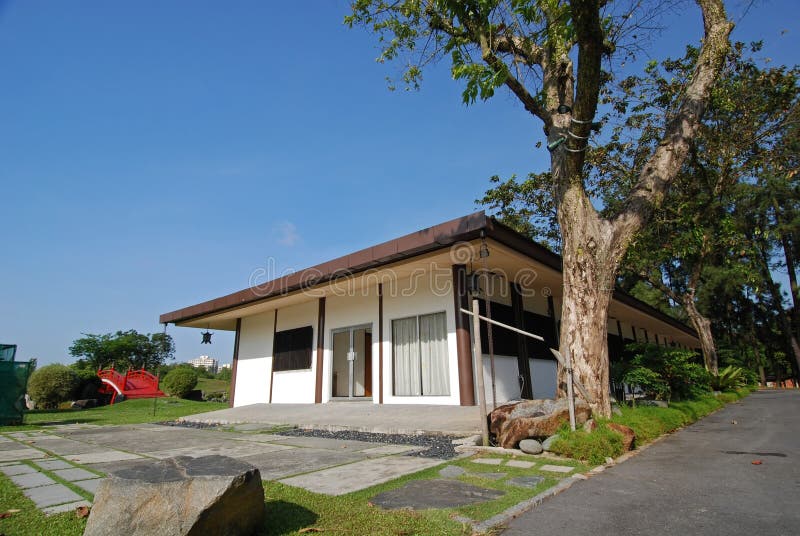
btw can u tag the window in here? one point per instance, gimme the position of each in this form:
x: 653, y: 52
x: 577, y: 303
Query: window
x: 419, y: 345
x: 293, y: 349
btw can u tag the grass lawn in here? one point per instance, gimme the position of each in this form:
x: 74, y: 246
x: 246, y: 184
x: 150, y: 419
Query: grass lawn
x: 132, y: 411
x: 210, y: 385
x: 292, y: 510
x: 29, y: 520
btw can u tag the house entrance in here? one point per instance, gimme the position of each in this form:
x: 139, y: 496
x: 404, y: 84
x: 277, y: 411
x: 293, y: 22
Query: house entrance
x: 352, y: 362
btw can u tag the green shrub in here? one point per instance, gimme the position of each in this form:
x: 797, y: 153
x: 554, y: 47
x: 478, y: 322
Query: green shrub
x: 728, y: 396
x: 592, y: 447
x: 648, y: 381
x: 728, y: 379
x: 88, y: 384
x: 52, y: 384
x: 180, y: 381
x: 679, y: 372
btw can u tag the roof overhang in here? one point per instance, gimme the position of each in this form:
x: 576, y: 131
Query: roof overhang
x: 293, y: 288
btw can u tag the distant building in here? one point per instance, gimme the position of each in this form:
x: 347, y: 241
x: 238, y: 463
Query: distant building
x: 209, y: 363
x: 225, y: 366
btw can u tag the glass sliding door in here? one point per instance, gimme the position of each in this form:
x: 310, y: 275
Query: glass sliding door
x: 352, y: 362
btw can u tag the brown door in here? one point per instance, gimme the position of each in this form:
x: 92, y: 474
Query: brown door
x: 368, y: 364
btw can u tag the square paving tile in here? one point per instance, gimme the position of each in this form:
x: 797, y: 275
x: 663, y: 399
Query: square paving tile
x: 45, y: 496
x: 18, y: 469
x: 385, y: 450
x: 359, y: 475
x: 325, y: 443
x: 520, y: 464
x: 66, y: 507
x: 89, y: 485
x: 424, y: 494
x: 32, y: 480
x: 21, y: 454
x: 557, y: 468
x: 52, y: 465
x: 488, y: 461
x: 102, y: 457
x: 284, y: 463
x: 526, y: 481
x: 70, y: 475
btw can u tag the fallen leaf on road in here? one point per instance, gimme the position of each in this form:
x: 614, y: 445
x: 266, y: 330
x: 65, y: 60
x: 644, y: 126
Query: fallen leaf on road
x: 82, y: 511
x: 734, y: 422
x: 756, y: 462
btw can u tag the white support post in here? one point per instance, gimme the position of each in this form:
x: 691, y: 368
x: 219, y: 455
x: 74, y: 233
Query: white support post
x: 478, y: 351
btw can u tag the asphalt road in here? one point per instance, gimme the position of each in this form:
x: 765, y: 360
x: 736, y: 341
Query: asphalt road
x: 700, y: 480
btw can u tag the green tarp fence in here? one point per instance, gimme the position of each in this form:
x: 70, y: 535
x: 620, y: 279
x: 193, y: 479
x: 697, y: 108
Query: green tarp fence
x: 7, y: 352
x: 13, y: 382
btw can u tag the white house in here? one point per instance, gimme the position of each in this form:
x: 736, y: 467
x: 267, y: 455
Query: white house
x: 384, y: 323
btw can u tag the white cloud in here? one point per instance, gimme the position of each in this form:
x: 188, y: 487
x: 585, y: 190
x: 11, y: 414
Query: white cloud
x: 286, y: 233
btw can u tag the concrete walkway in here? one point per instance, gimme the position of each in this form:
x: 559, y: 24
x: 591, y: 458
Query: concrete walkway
x: 359, y: 416
x: 700, y: 480
x: 329, y: 466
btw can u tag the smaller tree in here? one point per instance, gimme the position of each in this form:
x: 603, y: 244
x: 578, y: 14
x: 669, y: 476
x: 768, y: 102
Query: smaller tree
x: 123, y: 349
x: 51, y: 385
x: 180, y: 381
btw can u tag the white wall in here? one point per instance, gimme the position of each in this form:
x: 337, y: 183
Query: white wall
x: 297, y: 386
x: 423, y: 300
x: 255, y: 360
x: 506, y: 376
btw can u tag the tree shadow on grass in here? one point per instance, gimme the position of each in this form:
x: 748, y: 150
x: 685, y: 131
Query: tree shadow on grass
x: 284, y: 518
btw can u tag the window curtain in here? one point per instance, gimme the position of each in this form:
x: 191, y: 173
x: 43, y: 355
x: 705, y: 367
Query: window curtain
x: 406, y: 357
x: 433, y: 353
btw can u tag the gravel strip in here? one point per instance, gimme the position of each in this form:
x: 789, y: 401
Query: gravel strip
x: 191, y: 424
x: 437, y: 446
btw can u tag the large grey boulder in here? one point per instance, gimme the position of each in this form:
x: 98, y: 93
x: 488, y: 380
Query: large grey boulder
x: 512, y: 423
x: 179, y: 497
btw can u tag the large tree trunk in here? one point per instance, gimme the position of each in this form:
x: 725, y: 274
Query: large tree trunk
x: 702, y: 326
x: 589, y: 270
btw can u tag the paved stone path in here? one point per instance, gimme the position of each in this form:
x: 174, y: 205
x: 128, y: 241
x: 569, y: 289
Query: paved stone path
x: 80, y: 454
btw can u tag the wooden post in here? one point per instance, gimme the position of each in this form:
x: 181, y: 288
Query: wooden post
x: 570, y: 393
x: 478, y: 351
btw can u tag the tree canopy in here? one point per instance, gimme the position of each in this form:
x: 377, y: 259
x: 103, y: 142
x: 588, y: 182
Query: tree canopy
x: 557, y: 57
x: 123, y: 350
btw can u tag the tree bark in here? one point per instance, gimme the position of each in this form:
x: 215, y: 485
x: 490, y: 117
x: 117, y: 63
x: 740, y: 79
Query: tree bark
x: 702, y: 326
x: 590, y: 266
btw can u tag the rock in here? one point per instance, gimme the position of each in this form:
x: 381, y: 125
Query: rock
x: 530, y: 446
x: 615, y: 409
x: 548, y: 442
x: 628, y: 435
x: 589, y: 426
x: 533, y: 418
x: 180, y: 496
x: 84, y: 404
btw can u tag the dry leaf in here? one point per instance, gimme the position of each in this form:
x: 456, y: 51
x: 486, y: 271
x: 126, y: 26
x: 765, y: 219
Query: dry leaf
x: 5, y: 515
x: 756, y: 462
x: 309, y: 529
x: 82, y: 511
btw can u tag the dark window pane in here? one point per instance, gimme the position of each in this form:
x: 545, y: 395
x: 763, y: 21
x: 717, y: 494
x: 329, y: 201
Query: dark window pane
x: 293, y: 349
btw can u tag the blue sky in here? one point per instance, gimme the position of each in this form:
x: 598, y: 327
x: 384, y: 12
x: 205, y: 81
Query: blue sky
x: 154, y: 154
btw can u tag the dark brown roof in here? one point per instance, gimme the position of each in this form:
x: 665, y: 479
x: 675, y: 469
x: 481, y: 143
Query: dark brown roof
x: 425, y: 241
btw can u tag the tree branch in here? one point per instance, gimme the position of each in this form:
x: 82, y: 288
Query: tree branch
x: 664, y: 164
